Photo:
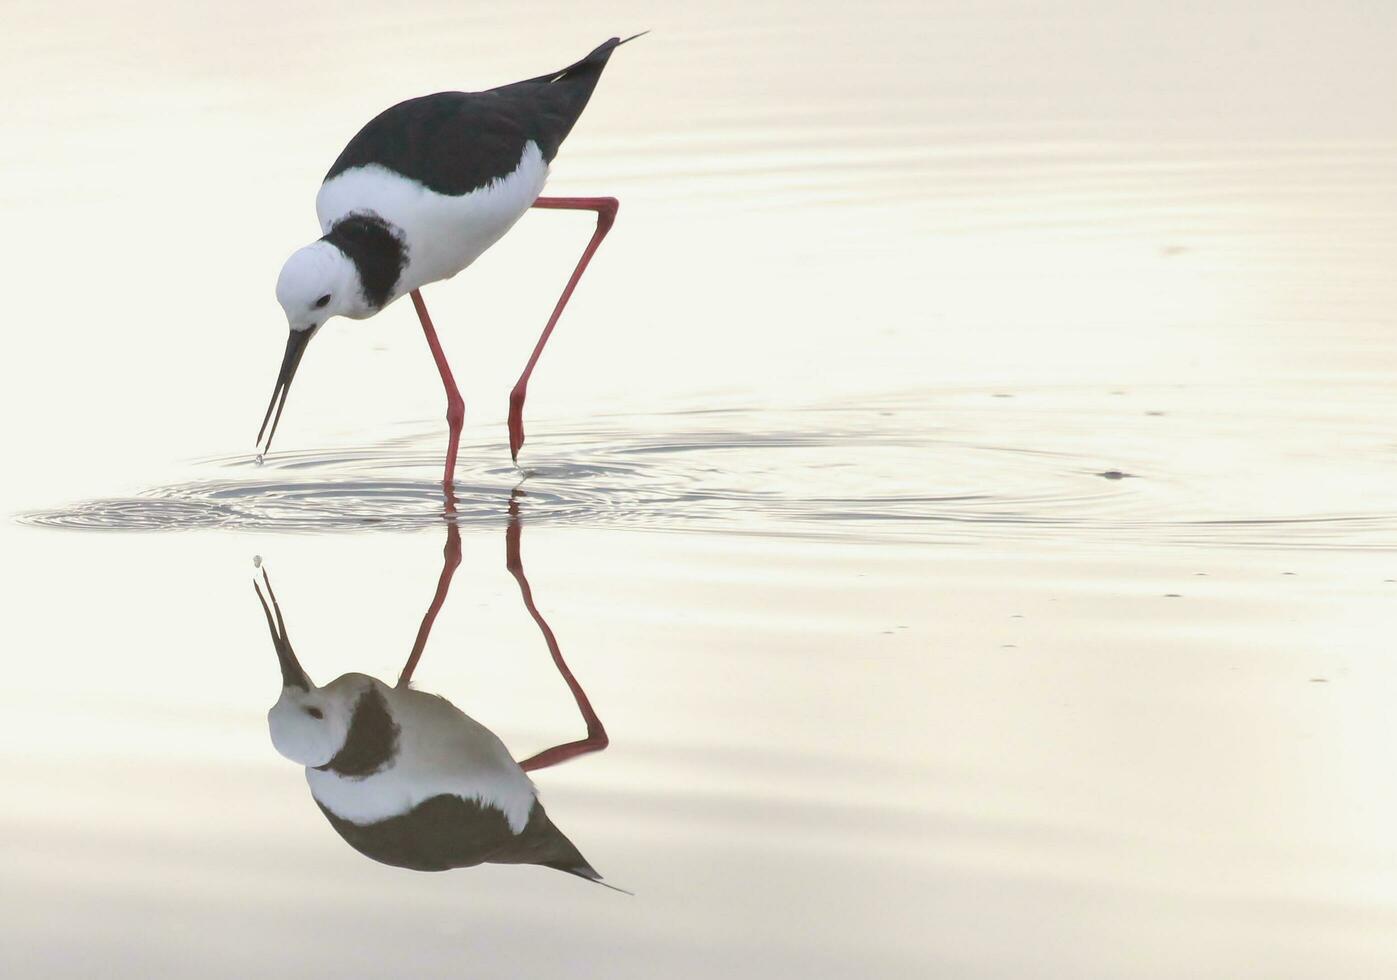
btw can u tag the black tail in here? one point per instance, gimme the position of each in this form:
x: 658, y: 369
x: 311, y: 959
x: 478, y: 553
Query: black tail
x: 542, y: 843
x: 585, y: 870
x: 568, y: 90
x: 588, y: 66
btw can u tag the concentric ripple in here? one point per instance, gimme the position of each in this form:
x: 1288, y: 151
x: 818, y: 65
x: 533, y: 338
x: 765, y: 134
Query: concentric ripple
x: 781, y: 481
x: 852, y: 473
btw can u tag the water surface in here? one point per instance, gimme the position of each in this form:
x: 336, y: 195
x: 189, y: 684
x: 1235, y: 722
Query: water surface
x: 962, y: 484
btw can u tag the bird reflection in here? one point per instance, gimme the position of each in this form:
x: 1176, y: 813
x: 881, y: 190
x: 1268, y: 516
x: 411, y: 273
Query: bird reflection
x: 404, y: 776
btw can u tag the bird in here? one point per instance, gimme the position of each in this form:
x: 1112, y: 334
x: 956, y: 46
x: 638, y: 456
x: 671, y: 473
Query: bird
x: 419, y: 193
x: 408, y: 779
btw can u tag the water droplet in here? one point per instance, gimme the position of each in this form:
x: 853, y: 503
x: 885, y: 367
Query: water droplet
x: 259, y: 459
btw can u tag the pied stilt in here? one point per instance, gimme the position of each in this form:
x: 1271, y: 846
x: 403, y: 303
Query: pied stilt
x: 417, y: 195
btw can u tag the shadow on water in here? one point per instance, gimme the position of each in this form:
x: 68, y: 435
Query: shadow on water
x: 872, y: 475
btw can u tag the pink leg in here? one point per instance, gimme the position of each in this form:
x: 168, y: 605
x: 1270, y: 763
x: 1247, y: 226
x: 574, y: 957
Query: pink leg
x: 596, y: 739
x: 606, y: 216
x: 451, y: 558
x: 455, y: 405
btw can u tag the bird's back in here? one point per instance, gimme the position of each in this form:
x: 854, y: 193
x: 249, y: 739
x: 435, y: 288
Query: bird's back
x: 447, y: 831
x: 441, y: 178
x: 449, y: 796
x: 457, y: 142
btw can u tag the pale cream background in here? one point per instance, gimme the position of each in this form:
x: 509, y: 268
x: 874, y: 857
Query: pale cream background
x: 931, y: 711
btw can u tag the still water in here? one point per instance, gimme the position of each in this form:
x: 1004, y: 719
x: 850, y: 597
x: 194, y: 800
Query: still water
x: 956, y: 535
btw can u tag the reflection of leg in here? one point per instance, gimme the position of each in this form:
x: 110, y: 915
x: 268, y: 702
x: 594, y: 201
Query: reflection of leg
x: 596, y: 739
x: 451, y: 557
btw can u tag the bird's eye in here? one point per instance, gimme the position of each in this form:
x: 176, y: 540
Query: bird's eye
x: 322, y: 301
x: 315, y: 712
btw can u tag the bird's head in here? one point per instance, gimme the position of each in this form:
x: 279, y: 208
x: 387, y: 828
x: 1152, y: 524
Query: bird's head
x: 309, y: 725
x: 316, y: 282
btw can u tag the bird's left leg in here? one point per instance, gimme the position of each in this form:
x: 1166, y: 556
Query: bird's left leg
x: 451, y: 558
x: 596, y: 739
x: 455, y: 404
x: 605, y: 207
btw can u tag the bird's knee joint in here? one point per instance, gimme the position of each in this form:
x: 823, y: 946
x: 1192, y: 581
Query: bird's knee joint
x: 606, y: 212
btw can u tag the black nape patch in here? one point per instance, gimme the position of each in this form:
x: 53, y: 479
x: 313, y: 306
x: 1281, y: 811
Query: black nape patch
x: 377, y: 250
x: 372, y: 741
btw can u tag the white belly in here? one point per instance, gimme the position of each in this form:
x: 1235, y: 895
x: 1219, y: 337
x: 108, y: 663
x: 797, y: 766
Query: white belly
x: 444, y: 234
x: 440, y: 751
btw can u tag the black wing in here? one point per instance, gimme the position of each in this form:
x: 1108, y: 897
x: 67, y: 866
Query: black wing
x: 449, y: 832
x: 456, y: 142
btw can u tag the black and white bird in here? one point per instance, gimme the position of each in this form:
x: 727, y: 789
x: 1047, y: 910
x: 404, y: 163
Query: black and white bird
x: 407, y: 778
x: 417, y: 195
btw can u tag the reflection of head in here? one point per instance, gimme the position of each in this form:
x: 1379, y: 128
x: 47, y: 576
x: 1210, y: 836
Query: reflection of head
x: 346, y: 723
x: 309, y: 724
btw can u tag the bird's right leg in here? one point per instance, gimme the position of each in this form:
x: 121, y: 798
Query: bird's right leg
x: 455, y: 404
x: 451, y: 558
x: 605, y: 207
x: 596, y: 739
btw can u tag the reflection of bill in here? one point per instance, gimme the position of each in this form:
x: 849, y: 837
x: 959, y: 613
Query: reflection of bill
x: 406, y: 777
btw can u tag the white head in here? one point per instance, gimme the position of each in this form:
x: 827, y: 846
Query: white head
x: 316, y: 282
x: 309, y: 724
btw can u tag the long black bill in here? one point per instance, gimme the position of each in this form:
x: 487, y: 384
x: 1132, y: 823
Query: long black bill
x: 295, y: 347
x: 291, y: 673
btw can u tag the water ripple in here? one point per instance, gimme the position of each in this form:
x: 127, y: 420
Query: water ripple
x: 841, y: 474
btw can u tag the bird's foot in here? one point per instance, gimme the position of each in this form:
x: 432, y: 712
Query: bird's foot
x: 516, y: 424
